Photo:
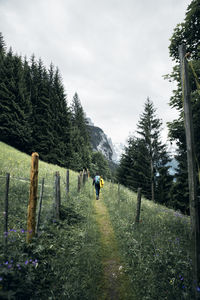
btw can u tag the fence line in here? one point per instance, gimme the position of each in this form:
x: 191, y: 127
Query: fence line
x: 33, y: 225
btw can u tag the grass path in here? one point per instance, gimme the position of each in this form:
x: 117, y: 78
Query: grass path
x: 116, y: 283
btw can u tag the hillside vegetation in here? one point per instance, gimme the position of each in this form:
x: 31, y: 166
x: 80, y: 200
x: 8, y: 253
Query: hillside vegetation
x: 65, y: 261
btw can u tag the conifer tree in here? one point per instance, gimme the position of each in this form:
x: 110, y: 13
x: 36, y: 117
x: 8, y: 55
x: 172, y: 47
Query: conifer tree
x: 149, y: 127
x: 145, y: 161
x: 14, y: 105
x: 80, y: 137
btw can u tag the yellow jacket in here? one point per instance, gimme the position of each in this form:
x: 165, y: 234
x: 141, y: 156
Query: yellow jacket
x: 101, y: 182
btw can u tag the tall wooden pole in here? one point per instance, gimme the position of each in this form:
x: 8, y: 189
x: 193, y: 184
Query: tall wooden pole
x: 137, y: 218
x: 67, y: 182
x: 6, y: 209
x: 31, y: 223
x: 57, y: 200
x: 194, y: 205
x: 40, y: 206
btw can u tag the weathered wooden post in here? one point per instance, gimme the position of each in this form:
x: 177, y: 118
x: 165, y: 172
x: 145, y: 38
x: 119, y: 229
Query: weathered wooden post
x: 6, y: 209
x: 118, y: 192
x: 67, y: 182
x: 137, y: 218
x: 79, y: 184
x: 31, y: 223
x: 81, y: 178
x: 40, y: 205
x: 57, y: 200
x: 192, y: 172
x: 84, y: 177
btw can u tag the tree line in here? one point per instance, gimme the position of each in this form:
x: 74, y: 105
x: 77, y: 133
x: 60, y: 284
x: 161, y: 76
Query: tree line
x: 35, y: 114
x: 145, y: 162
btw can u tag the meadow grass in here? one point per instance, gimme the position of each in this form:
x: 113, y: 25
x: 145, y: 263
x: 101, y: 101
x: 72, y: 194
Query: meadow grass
x: 64, y: 261
x: 156, y: 252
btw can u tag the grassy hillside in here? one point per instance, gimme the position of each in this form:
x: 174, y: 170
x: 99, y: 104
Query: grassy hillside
x: 157, y: 251
x: 65, y: 261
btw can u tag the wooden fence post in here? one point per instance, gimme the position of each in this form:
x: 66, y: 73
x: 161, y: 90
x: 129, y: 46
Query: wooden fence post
x: 6, y: 209
x: 137, y: 218
x: 67, y: 182
x: 40, y: 205
x: 57, y: 201
x: 118, y: 192
x: 84, y: 177
x: 79, y: 184
x: 33, y: 197
x: 192, y: 172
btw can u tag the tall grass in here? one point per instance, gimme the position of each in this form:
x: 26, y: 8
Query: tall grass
x: 64, y: 261
x: 156, y: 251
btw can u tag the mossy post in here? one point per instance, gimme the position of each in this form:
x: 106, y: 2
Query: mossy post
x: 6, y: 209
x: 118, y: 192
x: 40, y: 206
x: 84, y: 177
x: 57, y: 200
x: 31, y: 221
x: 79, y: 184
x: 67, y: 182
x: 137, y: 218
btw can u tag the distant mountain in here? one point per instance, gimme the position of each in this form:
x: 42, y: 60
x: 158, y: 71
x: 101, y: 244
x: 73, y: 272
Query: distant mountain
x: 99, y: 142
x: 102, y: 143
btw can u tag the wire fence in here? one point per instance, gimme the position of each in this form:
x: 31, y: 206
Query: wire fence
x: 14, y: 201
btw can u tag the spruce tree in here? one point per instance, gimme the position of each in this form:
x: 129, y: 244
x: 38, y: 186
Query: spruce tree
x: 15, y: 107
x: 149, y: 127
x: 81, y: 157
x: 145, y: 161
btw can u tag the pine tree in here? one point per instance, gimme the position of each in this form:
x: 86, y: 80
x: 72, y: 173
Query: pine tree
x: 15, y: 107
x: 61, y: 122
x: 149, y: 127
x: 145, y: 161
x: 133, y: 170
x: 80, y: 137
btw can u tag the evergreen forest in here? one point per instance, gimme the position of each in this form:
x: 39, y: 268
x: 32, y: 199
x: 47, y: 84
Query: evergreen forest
x: 35, y: 114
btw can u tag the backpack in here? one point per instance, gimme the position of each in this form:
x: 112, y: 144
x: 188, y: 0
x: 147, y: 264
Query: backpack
x: 97, y: 179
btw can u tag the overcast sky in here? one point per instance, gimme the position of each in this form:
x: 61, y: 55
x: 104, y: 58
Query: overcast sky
x: 113, y: 53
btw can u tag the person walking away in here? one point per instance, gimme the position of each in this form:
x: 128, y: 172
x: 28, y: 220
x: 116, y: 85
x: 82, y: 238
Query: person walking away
x: 96, y: 183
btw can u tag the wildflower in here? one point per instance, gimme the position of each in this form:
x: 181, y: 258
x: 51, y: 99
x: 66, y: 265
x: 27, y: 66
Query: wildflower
x: 22, y: 231
x: 120, y: 268
x: 1, y: 278
x: 198, y: 289
x: 6, y: 263
x: 26, y: 262
x: 9, y: 266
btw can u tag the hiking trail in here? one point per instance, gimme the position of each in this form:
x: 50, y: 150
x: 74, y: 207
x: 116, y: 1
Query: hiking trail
x: 116, y: 283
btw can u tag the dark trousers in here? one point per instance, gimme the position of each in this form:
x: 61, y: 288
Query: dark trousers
x: 97, y: 188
